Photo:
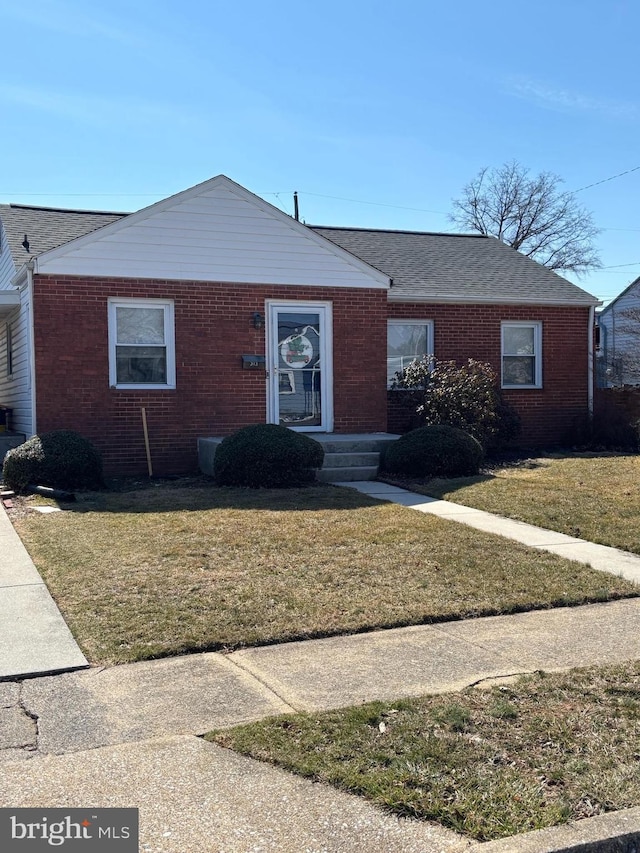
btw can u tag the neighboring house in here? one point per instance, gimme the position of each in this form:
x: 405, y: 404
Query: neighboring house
x: 178, y: 308
x: 618, y: 351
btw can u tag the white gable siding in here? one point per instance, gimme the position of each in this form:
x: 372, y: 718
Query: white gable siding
x: 215, y: 235
x: 619, y: 363
x: 7, y: 266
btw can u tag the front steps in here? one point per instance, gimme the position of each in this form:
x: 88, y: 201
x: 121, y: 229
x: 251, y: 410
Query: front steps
x: 351, y: 457
x: 340, y: 467
x: 346, y: 457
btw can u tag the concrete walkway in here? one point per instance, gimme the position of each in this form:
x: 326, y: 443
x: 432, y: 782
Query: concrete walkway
x: 599, y: 557
x: 128, y: 735
x: 34, y: 637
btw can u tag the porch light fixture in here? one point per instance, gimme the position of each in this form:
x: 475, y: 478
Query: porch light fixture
x: 258, y: 320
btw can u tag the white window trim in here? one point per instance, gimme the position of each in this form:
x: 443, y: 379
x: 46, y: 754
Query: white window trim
x: 536, y: 325
x: 169, y: 342
x: 400, y: 321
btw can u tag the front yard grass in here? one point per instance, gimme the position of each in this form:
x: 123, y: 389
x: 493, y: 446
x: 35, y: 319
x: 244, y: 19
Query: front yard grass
x: 165, y: 569
x: 486, y: 763
x: 592, y: 496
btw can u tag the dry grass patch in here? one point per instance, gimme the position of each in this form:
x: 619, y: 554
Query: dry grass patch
x: 593, y: 497
x: 166, y: 570
x: 487, y: 763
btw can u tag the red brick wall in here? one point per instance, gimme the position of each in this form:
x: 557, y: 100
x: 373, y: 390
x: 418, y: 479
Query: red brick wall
x: 473, y: 331
x: 214, y: 396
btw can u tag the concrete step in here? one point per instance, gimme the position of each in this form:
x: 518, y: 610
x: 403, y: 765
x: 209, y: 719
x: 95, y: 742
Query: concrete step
x: 365, y: 443
x: 344, y: 475
x: 356, y: 456
x: 350, y: 460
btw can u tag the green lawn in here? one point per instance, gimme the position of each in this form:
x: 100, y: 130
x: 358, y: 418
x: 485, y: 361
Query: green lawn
x: 486, y: 763
x: 593, y: 497
x: 168, y: 569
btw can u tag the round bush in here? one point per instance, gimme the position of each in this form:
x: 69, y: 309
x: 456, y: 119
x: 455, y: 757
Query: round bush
x: 433, y: 451
x: 267, y: 456
x: 61, y: 459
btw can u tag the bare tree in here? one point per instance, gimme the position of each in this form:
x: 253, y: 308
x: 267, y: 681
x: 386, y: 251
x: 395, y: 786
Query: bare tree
x: 531, y: 214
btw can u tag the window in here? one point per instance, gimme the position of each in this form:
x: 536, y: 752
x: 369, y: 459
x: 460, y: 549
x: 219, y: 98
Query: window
x: 141, y: 343
x: 407, y: 340
x: 9, y: 340
x: 522, y: 355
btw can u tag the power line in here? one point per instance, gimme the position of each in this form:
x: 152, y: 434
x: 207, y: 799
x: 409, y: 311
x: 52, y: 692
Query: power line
x: 616, y: 266
x: 85, y: 195
x: 374, y: 203
x: 606, y: 180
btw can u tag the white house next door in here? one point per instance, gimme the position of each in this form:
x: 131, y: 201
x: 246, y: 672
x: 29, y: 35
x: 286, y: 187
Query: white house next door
x: 299, y: 366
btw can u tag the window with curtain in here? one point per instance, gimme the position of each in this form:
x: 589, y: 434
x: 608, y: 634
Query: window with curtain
x: 141, y: 351
x: 521, y: 355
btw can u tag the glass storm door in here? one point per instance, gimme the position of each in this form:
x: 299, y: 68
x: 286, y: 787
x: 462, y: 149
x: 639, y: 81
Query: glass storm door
x: 300, y: 387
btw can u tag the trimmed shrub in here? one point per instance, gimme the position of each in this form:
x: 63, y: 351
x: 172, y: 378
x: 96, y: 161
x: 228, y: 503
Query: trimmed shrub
x: 267, y: 456
x: 433, y: 451
x: 61, y: 459
x: 610, y: 428
x: 467, y: 397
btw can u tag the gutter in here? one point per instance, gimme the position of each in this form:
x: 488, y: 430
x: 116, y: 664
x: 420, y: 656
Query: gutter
x: 590, y: 357
x: 30, y: 265
x: 533, y: 301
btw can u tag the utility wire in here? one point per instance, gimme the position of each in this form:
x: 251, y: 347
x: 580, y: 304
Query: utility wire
x: 616, y: 266
x: 606, y: 180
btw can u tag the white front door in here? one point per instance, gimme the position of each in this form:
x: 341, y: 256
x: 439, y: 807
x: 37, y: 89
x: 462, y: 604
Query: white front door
x: 299, y: 366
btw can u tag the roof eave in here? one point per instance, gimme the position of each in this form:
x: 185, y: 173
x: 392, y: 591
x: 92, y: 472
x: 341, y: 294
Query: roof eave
x: 9, y: 301
x: 447, y: 298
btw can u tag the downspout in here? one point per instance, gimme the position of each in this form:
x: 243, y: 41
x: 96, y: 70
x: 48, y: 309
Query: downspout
x: 592, y: 318
x: 32, y: 345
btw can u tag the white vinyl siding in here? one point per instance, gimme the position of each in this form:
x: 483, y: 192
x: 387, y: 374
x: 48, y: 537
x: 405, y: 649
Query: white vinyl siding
x: 619, y: 354
x: 407, y: 340
x: 141, y: 344
x: 8, y: 336
x: 214, y: 233
x: 15, y: 389
x: 521, y: 354
x: 7, y: 266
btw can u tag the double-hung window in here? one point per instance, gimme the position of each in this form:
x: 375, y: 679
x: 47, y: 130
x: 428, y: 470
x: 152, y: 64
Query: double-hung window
x: 407, y: 340
x: 141, y: 343
x: 521, y: 355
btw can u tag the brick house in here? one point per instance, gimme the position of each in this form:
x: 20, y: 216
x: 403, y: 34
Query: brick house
x: 212, y: 310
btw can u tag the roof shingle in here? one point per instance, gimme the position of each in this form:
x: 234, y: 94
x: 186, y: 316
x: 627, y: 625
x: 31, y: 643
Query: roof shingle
x: 423, y: 266
x: 47, y: 227
x: 463, y: 267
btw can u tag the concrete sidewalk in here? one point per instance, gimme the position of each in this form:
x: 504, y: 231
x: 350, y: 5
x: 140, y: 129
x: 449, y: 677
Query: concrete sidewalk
x: 126, y: 735
x: 34, y: 638
x: 192, y: 694
x: 599, y: 557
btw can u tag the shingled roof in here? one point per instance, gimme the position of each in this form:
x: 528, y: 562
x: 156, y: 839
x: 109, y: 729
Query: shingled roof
x: 461, y: 267
x: 423, y: 266
x: 47, y: 227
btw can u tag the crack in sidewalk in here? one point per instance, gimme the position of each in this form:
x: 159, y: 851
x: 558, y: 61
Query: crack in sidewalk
x: 35, y: 718
x: 264, y: 684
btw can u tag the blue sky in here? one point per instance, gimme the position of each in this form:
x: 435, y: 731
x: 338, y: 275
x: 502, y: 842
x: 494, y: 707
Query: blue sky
x: 377, y: 113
